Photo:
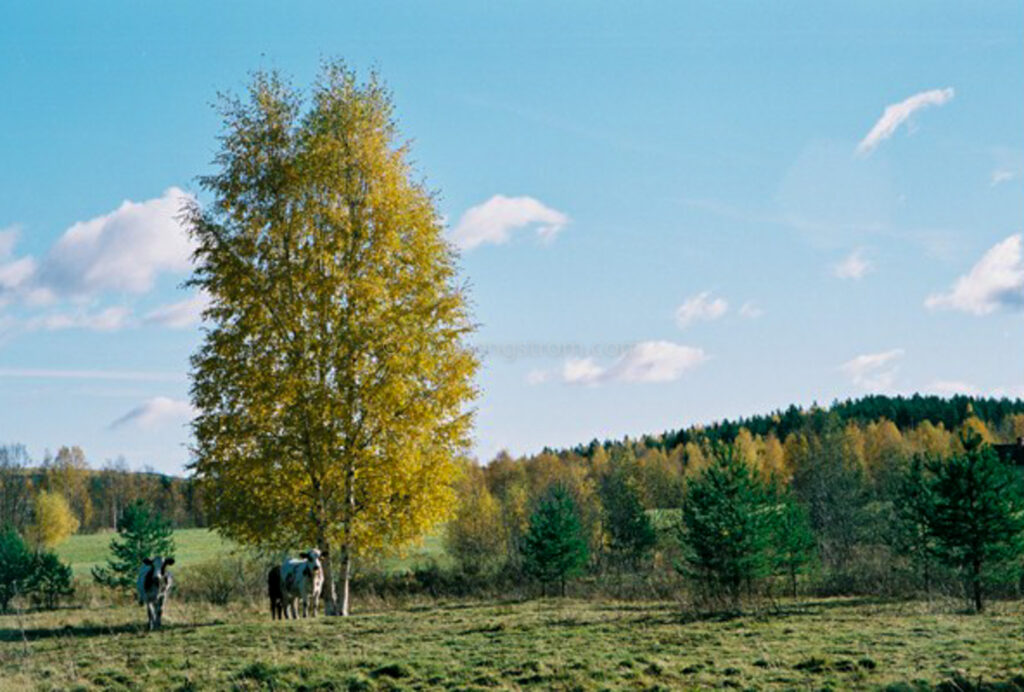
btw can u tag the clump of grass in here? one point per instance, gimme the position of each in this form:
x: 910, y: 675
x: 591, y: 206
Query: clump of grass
x: 261, y: 672
x: 396, y: 671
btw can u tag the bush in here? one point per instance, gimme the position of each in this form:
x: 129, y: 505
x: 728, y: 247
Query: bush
x: 223, y: 580
x: 50, y: 580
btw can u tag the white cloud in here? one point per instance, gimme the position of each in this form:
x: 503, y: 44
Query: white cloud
x: 854, y: 266
x: 751, y: 310
x: 109, y: 319
x: 997, y: 280
x: 647, y: 361
x: 156, y: 412
x: 951, y: 387
x: 124, y: 250
x: 179, y: 315
x: 494, y: 220
x: 700, y: 307
x: 873, y: 371
x: 898, y: 113
x: 1002, y: 175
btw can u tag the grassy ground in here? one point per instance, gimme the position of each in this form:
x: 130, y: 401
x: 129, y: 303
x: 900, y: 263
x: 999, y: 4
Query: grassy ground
x: 194, y: 546
x: 544, y: 644
x: 85, y: 551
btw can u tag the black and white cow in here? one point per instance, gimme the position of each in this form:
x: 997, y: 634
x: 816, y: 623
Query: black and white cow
x: 274, y: 590
x: 302, y: 579
x: 154, y: 585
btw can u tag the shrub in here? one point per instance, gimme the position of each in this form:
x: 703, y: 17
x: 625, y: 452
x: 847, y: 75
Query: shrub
x: 50, y: 580
x: 223, y: 580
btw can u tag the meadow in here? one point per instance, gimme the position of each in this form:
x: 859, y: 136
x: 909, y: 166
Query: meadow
x: 538, y: 644
x: 196, y: 546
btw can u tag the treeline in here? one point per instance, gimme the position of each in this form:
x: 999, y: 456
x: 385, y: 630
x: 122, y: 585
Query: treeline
x: 906, y: 413
x: 96, y: 496
x: 833, y: 482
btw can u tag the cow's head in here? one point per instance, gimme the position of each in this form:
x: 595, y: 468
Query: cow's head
x: 312, y: 559
x: 157, y: 576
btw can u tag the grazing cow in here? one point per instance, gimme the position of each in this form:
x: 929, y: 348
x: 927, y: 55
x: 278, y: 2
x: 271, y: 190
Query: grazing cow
x: 154, y: 584
x: 276, y: 593
x: 302, y: 579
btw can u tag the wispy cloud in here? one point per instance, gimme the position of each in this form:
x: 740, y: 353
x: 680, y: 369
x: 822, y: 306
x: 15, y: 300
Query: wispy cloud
x: 873, y: 371
x: 854, y: 266
x: 1002, y: 175
x: 58, y: 374
x: 952, y: 387
x: 537, y: 377
x: 700, y: 307
x: 997, y: 280
x: 494, y: 221
x: 8, y: 237
x: 179, y: 315
x: 897, y: 113
x: 647, y: 361
x: 750, y: 310
x: 106, y: 320
x: 155, y: 412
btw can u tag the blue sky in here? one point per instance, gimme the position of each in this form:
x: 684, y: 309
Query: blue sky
x: 670, y: 212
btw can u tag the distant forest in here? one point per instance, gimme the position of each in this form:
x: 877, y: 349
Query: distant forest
x: 906, y: 413
x: 875, y: 430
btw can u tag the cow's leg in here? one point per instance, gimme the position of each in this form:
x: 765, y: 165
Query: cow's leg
x: 305, y: 601
x: 150, y: 615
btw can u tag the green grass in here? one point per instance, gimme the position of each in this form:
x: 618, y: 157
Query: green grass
x: 542, y: 644
x: 192, y: 546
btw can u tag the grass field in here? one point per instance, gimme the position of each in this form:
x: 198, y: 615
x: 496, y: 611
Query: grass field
x: 85, y: 551
x: 194, y: 546
x: 542, y: 644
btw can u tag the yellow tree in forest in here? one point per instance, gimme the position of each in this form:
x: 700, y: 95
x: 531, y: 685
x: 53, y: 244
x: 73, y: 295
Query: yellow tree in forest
x: 334, y: 380
x: 53, y: 520
x: 476, y: 535
x: 68, y: 474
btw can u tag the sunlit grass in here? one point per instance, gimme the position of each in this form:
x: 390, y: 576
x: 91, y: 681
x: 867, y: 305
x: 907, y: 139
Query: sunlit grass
x: 85, y: 551
x: 543, y: 644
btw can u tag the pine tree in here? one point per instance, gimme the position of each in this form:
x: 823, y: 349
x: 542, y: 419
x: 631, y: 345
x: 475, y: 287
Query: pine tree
x: 630, y: 531
x: 977, y: 516
x: 726, y: 527
x: 15, y: 566
x: 140, y: 534
x: 792, y: 544
x: 554, y: 548
x: 914, y: 507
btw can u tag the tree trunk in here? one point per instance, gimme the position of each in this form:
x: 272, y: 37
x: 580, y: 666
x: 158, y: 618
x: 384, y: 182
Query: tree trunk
x: 332, y: 591
x: 346, y: 575
x: 976, y: 586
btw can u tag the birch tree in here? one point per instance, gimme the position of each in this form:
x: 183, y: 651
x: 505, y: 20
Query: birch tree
x: 334, y: 379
